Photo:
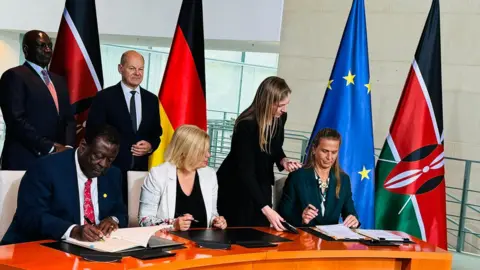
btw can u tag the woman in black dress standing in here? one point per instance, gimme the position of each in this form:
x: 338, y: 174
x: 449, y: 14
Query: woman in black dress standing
x: 246, y: 176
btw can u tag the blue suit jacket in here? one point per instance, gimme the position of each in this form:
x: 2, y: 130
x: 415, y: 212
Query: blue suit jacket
x: 48, y: 202
x: 301, y: 188
x: 31, y: 118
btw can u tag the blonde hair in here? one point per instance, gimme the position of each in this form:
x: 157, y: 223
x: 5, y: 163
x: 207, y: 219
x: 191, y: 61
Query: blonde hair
x: 269, y: 93
x: 329, y: 134
x: 189, y: 146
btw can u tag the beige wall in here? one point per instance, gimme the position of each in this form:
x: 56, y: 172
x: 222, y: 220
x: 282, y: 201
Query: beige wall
x: 310, y: 37
x: 9, y: 50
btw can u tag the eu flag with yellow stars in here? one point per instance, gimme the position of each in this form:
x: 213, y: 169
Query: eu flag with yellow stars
x: 346, y: 107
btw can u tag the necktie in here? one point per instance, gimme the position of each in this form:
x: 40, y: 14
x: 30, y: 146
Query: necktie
x: 133, y: 111
x: 50, y: 87
x: 87, y: 202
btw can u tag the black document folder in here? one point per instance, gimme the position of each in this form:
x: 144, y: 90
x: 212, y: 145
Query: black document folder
x: 89, y: 254
x: 230, y: 236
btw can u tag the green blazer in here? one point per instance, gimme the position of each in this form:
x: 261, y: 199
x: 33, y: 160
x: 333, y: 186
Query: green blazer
x: 301, y: 188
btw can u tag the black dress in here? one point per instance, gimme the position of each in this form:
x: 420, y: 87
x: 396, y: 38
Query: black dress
x: 246, y: 176
x: 193, y: 204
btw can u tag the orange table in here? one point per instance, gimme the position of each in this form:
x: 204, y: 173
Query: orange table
x: 305, y: 252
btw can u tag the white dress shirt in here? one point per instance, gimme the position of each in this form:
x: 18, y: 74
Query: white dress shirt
x: 39, y: 70
x: 82, y: 180
x: 138, y: 101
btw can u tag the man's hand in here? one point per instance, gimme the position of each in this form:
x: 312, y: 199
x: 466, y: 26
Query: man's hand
x: 59, y: 147
x: 107, y: 226
x: 141, y: 148
x: 87, y: 233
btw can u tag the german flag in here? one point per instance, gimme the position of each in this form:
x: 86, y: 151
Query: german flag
x: 182, y: 93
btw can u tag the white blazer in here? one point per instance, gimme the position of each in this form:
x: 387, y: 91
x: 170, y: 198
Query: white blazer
x: 159, y: 192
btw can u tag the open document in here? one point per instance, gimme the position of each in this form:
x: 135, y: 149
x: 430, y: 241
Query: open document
x: 121, y: 239
x: 380, y: 235
x: 339, y: 232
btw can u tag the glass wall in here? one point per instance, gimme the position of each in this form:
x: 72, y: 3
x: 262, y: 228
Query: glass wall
x: 232, y: 77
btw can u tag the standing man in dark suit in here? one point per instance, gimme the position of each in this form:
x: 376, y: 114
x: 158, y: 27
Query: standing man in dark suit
x: 134, y: 112
x: 35, y: 106
x: 60, y: 194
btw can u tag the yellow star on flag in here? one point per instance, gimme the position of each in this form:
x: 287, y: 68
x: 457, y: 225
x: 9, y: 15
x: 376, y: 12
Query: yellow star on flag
x: 368, y: 87
x: 349, y: 78
x: 330, y: 84
x: 364, y: 173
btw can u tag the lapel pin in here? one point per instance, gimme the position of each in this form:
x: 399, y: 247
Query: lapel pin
x: 104, y: 195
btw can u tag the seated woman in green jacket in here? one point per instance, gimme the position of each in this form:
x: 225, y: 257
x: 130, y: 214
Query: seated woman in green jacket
x: 320, y: 191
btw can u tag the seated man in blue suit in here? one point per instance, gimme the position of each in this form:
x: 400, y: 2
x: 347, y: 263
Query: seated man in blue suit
x: 63, y: 194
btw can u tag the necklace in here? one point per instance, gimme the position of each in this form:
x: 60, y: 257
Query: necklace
x: 321, y: 184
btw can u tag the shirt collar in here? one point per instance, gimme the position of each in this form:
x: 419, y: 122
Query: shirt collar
x: 37, y: 68
x: 127, y: 90
x: 80, y: 175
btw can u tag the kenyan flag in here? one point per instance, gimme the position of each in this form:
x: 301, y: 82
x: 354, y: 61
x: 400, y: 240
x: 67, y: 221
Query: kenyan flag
x: 410, y: 186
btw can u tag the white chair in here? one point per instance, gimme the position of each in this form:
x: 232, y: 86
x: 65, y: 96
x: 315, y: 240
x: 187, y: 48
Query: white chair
x: 135, y: 182
x: 277, y: 191
x: 9, y: 183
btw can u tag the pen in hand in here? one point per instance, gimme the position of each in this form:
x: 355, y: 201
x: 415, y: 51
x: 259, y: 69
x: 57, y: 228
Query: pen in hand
x: 194, y: 220
x: 93, y: 224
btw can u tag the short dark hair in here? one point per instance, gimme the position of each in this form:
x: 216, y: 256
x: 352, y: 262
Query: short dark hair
x: 107, y: 132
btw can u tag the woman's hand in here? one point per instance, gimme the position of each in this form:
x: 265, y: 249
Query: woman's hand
x: 183, y: 223
x: 290, y: 165
x: 274, y: 218
x: 219, y: 222
x: 351, y: 221
x: 309, y: 213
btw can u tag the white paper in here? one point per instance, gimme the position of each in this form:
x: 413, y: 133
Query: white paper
x: 122, y: 239
x: 380, y: 235
x: 109, y: 245
x: 339, y: 231
x: 137, y: 235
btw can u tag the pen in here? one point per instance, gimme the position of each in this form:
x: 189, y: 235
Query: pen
x: 91, y: 223
x: 88, y: 220
x: 194, y: 220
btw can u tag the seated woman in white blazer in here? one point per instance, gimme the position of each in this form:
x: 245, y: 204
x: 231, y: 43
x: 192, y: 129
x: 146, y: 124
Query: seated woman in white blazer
x: 183, y: 190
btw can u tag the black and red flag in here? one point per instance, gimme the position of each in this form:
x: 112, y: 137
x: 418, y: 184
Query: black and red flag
x: 76, y: 56
x: 182, y: 93
x: 410, y: 187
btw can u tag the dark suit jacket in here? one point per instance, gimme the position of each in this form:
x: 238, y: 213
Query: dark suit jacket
x: 48, y: 199
x: 246, y: 176
x: 31, y: 118
x: 301, y: 188
x: 109, y: 107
